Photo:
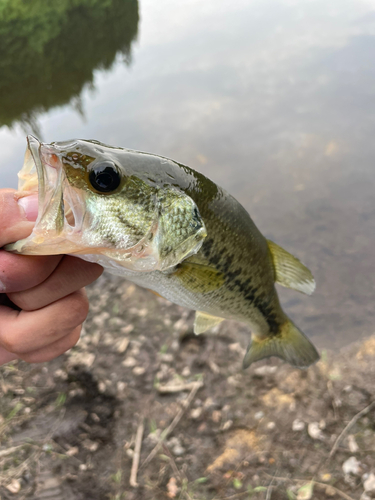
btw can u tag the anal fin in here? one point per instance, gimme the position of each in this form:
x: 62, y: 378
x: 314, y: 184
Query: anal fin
x: 289, y: 271
x: 204, y: 321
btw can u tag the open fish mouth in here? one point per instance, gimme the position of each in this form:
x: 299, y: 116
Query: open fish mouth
x: 60, y: 208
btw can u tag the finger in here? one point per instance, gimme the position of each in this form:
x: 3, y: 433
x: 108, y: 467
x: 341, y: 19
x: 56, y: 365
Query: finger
x: 16, y: 217
x: 6, y: 356
x: 25, y: 331
x: 20, y: 272
x: 70, y: 275
x: 53, y: 350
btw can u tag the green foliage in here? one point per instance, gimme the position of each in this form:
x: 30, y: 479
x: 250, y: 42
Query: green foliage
x: 49, y: 50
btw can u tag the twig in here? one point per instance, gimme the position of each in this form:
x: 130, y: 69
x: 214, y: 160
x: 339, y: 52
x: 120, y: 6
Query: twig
x: 169, y: 389
x: 137, y: 453
x: 9, y: 451
x: 337, y: 491
x: 175, y: 421
x: 349, y: 426
x: 320, y: 485
x: 269, y: 489
x: 237, y: 495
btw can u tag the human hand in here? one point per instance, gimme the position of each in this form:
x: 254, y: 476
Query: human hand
x: 49, y: 302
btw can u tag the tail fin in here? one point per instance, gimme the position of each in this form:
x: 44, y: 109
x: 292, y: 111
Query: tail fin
x: 290, y: 344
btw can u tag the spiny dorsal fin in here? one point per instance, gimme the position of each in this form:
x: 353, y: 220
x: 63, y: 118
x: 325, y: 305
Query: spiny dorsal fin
x: 290, y: 344
x: 289, y: 271
x: 204, y: 321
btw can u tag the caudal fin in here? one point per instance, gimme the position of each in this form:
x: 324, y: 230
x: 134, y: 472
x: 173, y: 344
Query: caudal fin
x: 290, y: 344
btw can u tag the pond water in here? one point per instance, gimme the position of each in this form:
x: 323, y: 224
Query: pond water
x: 272, y: 99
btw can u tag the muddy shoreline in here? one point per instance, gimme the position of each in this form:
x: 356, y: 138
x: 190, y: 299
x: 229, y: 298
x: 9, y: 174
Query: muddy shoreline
x: 71, y: 429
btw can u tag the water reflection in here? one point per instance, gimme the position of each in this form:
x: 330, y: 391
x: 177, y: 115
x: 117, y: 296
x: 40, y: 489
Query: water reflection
x: 49, y: 51
x: 273, y: 100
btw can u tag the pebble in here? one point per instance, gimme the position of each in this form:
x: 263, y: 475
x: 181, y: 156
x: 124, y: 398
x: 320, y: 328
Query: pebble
x: 298, y: 425
x: 351, y: 466
x: 369, y: 483
x: 352, y: 443
x: 178, y: 450
x: 129, y: 362
x: 216, y: 416
x: 314, y: 431
x: 122, y: 345
x: 196, y: 413
x: 139, y: 370
x: 259, y: 415
x: 271, y: 426
x: 14, y: 487
x: 265, y: 370
x: 227, y: 425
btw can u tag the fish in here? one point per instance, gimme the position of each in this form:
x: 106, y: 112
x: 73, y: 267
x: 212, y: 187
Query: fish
x: 167, y: 228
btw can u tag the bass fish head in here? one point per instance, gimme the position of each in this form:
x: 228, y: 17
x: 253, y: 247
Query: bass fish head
x: 107, y: 205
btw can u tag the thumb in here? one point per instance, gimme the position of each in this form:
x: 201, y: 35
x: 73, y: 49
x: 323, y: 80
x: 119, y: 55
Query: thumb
x: 16, y: 217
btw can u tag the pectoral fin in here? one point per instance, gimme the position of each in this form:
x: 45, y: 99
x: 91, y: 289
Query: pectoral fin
x: 204, y: 321
x: 289, y: 271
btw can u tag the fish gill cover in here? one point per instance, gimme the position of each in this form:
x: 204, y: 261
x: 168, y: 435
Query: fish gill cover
x: 49, y: 51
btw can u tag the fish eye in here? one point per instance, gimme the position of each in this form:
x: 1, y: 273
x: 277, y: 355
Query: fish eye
x: 104, y: 177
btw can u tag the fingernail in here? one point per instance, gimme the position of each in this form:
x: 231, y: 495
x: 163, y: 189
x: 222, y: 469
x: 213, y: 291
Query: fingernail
x: 30, y: 206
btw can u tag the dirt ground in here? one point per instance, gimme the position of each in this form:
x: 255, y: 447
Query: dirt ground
x: 140, y: 386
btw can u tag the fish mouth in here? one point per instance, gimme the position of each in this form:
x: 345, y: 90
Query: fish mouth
x: 60, y: 210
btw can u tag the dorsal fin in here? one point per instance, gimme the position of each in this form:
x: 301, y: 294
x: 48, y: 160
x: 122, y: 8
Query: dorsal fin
x: 289, y: 271
x: 204, y: 321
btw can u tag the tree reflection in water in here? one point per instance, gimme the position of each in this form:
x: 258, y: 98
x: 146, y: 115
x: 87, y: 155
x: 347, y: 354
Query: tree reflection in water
x: 49, y: 51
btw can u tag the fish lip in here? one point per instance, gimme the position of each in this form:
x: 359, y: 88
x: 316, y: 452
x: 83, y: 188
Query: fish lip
x: 51, y: 189
x: 34, y: 146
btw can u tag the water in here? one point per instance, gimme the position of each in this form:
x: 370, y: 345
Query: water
x: 274, y: 100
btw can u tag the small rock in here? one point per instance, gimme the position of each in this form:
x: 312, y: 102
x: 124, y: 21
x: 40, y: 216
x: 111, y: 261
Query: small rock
x: 129, y: 362
x: 139, y: 370
x: 72, y: 451
x: 127, y: 329
x: 166, y: 357
x: 186, y: 372
x: 61, y: 374
x: 351, y: 466
x: 196, y: 413
x: 315, y: 432
x: 121, y: 386
x: 352, y: 443
x: 271, y: 426
x: 227, y: 425
x: 369, y: 483
x: 298, y: 425
x: 216, y: 416
x: 330, y: 491
x: 265, y: 370
x: 259, y: 415
x: 83, y: 467
x: 178, y: 450
x: 122, y: 345
x: 102, y: 387
x: 14, y: 487
x: 85, y: 359
x: 90, y: 445
x: 172, y: 488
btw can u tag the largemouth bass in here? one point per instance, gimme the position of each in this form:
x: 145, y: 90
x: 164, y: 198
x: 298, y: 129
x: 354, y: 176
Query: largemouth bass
x: 167, y: 228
